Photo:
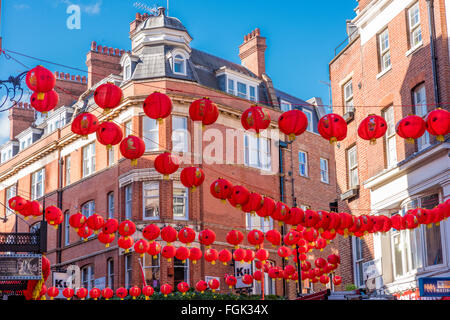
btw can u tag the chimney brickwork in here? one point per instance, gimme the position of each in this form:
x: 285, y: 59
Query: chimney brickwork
x: 21, y: 117
x: 252, y: 52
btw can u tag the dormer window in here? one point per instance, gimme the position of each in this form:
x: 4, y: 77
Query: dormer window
x: 179, y: 64
x: 238, y: 84
x: 127, y: 70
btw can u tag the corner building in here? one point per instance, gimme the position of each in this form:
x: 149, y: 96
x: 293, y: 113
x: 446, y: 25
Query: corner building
x: 45, y: 160
x: 395, y: 63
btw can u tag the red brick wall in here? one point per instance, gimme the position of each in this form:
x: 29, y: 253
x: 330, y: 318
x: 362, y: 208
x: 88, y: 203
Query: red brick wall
x: 21, y: 116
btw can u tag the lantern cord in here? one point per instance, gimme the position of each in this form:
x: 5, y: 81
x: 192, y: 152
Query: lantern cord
x: 191, y: 93
x: 142, y: 272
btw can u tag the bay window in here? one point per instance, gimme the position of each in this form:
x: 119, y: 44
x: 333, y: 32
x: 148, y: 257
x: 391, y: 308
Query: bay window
x: 151, y: 134
x: 180, y: 141
x: 151, y: 200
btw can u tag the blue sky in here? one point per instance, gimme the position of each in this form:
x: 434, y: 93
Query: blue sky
x: 301, y: 35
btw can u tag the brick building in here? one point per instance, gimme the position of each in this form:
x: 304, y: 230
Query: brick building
x: 45, y: 160
x: 393, y: 65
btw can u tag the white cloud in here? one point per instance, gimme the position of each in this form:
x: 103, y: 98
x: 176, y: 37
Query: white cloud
x: 92, y: 8
x: 4, y: 127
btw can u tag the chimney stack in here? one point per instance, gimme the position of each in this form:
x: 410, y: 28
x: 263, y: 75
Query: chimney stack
x: 21, y: 117
x: 252, y: 52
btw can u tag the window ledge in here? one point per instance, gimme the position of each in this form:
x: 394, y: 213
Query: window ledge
x: 351, y: 193
x: 414, y: 49
x: 382, y: 73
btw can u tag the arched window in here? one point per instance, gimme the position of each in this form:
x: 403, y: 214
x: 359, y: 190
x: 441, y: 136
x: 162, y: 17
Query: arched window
x: 179, y: 64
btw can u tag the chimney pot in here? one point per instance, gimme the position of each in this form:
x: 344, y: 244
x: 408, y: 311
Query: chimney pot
x: 78, y: 78
x: 56, y: 74
x: 83, y: 79
x: 161, y: 11
x: 111, y: 51
x: 72, y: 78
x: 67, y: 76
x: 117, y: 52
x: 252, y: 53
x: 138, y: 16
x: 99, y: 49
x: 93, y: 45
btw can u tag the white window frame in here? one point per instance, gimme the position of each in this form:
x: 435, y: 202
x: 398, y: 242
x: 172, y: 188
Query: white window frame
x: 152, y: 185
x: 352, y: 167
x: 66, y: 228
x: 303, y: 164
x: 285, y: 106
x: 254, y: 155
x: 269, y: 283
x: 420, y: 109
x: 88, y: 282
x: 110, y: 203
x: 233, y: 79
x: 67, y: 169
x: 128, y: 201
x: 357, y: 259
x: 88, y: 159
x: 324, y: 170
x: 309, y: 116
x: 231, y: 89
x: 128, y: 125
x: 157, y: 267
x: 150, y: 134
x: 88, y: 208
x: 180, y: 135
x: 179, y: 59
x: 111, y: 156
x: 10, y: 192
x: 390, y: 137
x: 35, y: 184
x: 414, y: 26
x: 185, y: 267
x: 127, y: 70
x: 128, y: 270
x: 348, y: 96
x: 385, y: 54
x: 252, y: 97
x: 185, y: 199
x: 256, y: 222
x: 110, y: 273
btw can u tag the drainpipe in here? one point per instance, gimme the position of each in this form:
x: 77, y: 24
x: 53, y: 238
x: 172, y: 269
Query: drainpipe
x: 431, y: 27
x: 282, y: 145
x: 59, y: 204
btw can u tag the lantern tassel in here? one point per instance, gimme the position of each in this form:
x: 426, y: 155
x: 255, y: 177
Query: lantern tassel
x: 440, y: 138
x: 166, y: 177
x: 373, y: 141
x: 410, y: 140
x: 193, y: 188
x: 292, y: 137
x: 333, y: 140
x: 134, y: 162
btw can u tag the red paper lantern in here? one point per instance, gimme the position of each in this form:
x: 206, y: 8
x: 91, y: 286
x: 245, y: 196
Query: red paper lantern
x: 186, y: 235
x: 239, y: 255
x: 182, y: 253
x: 125, y: 243
x: 398, y: 222
x: 169, y: 234
x: 135, y: 292
x: 127, y: 228
x: 168, y: 252
x: 108, y: 96
x: 239, y: 196
x: 68, y: 293
x: 284, y: 252
x: 255, y: 118
x: 262, y: 255
x: 249, y: 255
x: 111, y: 226
x: 148, y: 291
x: 311, y: 218
x: 107, y: 293
x: 154, y: 248
x: 321, y: 243
x: 151, y: 232
x: 334, y: 259
x: 438, y: 123
x: 289, y: 269
x: 332, y: 127
x: 324, y: 279
x: 274, y: 237
x: 106, y: 238
x: 225, y: 256
x: 85, y: 232
x: 82, y: 293
x: 201, y: 286
x: 192, y: 177
x: 214, y: 284
x: 34, y: 208
x: 141, y: 247
x: 296, y: 217
x: 293, y: 123
x: 109, y: 134
x: 41, y: 80
x: 411, y: 221
x: 235, y: 238
x: 274, y: 273
x: 410, y: 128
x: 17, y: 203
x: 423, y: 215
x: 95, y: 222
x: 54, y: 216
x: 292, y: 238
x: 157, y: 106
x: 166, y: 163
x: 52, y: 292
x: 183, y: 287
x: 230, y: 281
x: 281, y: 213
x: 211, y: 255
x: 221, y: 189
x: 95, y: 293
x: 255, y: 237
x: 257, y: 275
x: 323, y: 222
x: 337, y: 280
x: 247, y: 279
x: 320, y: 263
x: 372, y: 128
x: 84, y: 124
x: 206, y: 237
x: 47, y: 103
x: 204, y: 110
x: 267, y: 208
x: 77, y: 220
x: 121, y: 293
x: 195, y: 254
x: 254, y: 203
x: 132, y: 148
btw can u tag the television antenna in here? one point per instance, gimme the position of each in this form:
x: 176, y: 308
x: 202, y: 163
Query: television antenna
x: 152, y: 10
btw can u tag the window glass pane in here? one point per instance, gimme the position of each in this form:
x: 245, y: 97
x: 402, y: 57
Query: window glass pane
x: 252, y: 93
x: 303, y: 165
x: 151, y: 134
x: 285, y: 106
x: 433, y: 234
x: 414, y: 16
x: 111, y: 205
x: 180, y: 201
x: 181, y: 271
x: 310, y: 119
x: 242, y: 90
x: 179, y: 134
x: 231, y: 86
x: 128, y: 128
x: 151, y: 200
x: 128, y: 201
x: 151, y: 270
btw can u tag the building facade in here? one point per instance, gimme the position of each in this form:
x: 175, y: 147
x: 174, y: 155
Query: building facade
x: 396, y: 63
x: 44, y: 160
